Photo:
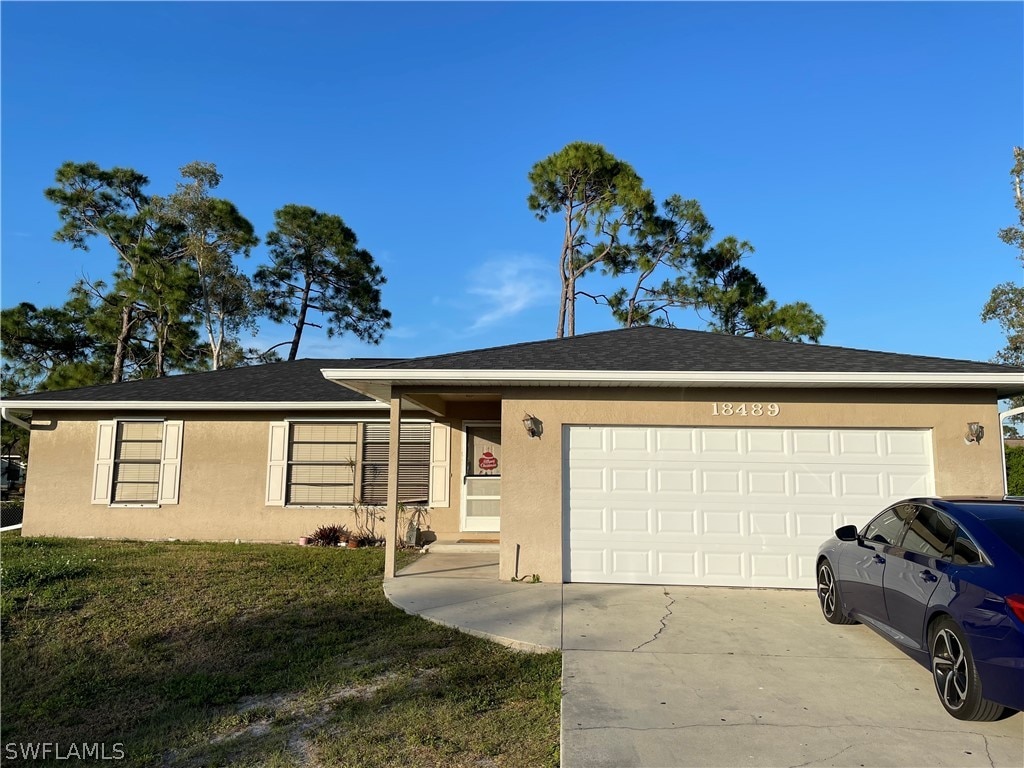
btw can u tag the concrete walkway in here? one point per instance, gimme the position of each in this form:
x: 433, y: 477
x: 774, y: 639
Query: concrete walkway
x: 463, y: 591
x: 706, y: 676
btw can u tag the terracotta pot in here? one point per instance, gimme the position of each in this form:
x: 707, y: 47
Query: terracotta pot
x: 353, y: 543
x: 303, y: 541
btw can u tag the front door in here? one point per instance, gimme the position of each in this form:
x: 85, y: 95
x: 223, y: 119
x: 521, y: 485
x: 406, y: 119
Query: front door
x: 481, y: 497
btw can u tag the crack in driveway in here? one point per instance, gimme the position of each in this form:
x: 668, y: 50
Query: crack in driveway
x: 664, y: 622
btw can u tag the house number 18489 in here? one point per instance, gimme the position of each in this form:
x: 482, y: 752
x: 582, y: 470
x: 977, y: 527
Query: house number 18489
x: 744, y: 409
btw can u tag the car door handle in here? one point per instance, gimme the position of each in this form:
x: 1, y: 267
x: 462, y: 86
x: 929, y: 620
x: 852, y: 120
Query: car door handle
x: 929, y: 576
x: 878, y: 559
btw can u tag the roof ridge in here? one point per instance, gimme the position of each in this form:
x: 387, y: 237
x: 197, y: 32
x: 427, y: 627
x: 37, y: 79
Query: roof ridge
x: 519, y: 344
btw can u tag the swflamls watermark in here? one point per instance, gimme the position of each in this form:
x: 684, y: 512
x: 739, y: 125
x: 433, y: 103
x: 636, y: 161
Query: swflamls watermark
x: 53, y: 750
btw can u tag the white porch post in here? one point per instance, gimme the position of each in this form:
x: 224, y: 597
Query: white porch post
x: 391, y: 521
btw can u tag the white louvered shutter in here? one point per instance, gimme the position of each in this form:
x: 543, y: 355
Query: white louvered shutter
x: 170, y: 462
x: 440, y: 474
x: 277, y: 463
x: 103, y: 469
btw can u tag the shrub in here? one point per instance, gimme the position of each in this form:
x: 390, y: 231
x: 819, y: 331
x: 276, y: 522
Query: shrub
x: 330, y: 536
x: 1015, y: 470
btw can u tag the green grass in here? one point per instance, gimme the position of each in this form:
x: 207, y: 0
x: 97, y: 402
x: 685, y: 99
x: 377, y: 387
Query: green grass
x: 263, y: 655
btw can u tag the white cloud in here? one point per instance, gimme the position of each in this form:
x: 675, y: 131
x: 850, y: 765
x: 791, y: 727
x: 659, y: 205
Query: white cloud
x: 508, y: 286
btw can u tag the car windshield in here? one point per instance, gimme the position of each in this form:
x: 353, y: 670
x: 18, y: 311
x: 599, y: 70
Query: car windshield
x: 1010, y: 530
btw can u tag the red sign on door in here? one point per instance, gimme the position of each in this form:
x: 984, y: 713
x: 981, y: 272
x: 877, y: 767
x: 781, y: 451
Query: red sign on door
x: 488, y: 462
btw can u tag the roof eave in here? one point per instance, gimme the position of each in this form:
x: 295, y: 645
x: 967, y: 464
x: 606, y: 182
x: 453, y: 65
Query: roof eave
x: 374, y: 382
x: 27, y: 406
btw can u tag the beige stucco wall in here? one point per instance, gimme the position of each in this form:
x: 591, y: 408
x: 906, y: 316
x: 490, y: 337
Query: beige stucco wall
x: 223, y: 483
x: 532, y: 503
x: 224, y: 458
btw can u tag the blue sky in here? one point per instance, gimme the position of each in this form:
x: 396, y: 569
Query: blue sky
x: 863, y: 148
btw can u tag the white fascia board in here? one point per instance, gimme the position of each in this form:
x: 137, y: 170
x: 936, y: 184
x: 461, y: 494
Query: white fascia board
x: 362, y: 380
x: 26, y: 406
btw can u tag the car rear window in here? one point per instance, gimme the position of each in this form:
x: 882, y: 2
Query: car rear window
x: 1010, y: 530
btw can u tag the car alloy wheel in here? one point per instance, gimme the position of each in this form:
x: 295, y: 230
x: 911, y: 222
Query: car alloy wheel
x: 828, y: 596
x: 949, y: 666
x: 956, y: 679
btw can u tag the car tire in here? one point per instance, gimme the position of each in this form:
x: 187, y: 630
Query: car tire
x: 828, y: 596
x: 956, y: 678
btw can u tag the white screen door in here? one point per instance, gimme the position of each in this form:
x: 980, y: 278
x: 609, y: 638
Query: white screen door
x: 481, y: 508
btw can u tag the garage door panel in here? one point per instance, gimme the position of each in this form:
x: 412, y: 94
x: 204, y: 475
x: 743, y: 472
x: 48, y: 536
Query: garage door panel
x: 590, y: 520
x: 766, y: 443
x: 694, y: 513
x: 814, y: 444
x: 772, y: 566
x: 725, y: 442
x: 630, y: 480
x: 770, y: 524
x: 719, y: 481
x: 675, y: 480
x: 625, y: 522
x: 867, y: 484
x: 628, y: 442
x: 905, y: 445
x: 907, y: 484
x: 671, y: 522
x: 818, y: 484
x: 675, y: 565
x: 816, y: 525
x: 584, y: 440
x: 679, y: 442
x: 583, y: 479
x: 632, y: 563
x: 768, y: 483
x: 859, y: 443
x: 726, y: 521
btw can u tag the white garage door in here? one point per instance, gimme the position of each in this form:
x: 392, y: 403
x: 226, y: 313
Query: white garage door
x: 725, y: 506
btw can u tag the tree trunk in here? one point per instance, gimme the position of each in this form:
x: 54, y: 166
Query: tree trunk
x: 570, y: 306
x: 122, y: 344
x: 300, y: 322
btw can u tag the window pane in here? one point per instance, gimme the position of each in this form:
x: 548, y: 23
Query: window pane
x: 930, y: 533
x: 142, y: 430
x: 137, y: 462
x: 483, y: 507
x: 413, y: 461
x: 339, y: 452
x: 321, y: 467
x: 483, y: 450
x: 324, y: 433
x: 480, y: 486
x: 885, y: 528
x: 332, y: 474
x: 964, y: 551
x: 320, y: 494
x: 135, y: 493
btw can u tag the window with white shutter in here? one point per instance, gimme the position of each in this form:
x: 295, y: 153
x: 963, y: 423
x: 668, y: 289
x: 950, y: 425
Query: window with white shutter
x: 137, y: 463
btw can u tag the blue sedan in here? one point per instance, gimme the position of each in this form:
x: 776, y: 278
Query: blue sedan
x: 943, y: 579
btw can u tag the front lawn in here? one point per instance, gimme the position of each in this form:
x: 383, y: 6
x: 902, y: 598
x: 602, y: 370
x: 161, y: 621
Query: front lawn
x: 191, y: 654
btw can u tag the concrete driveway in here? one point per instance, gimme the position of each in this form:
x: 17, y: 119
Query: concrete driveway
x: 703, y: 676
x: 663, y: 677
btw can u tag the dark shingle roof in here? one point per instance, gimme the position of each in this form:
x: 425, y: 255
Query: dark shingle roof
x: 298, y: 381
x: 631, y: 349
x: 672, y: 349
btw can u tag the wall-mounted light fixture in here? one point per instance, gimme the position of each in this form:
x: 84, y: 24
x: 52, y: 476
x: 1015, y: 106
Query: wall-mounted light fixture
x: 534, y: 426
x: 974, y: 432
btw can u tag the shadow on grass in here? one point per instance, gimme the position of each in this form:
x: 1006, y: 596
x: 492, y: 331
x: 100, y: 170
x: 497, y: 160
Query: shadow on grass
x: 206, y: 654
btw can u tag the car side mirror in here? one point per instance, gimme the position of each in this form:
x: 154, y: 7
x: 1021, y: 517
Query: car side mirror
x: 847, y: 533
